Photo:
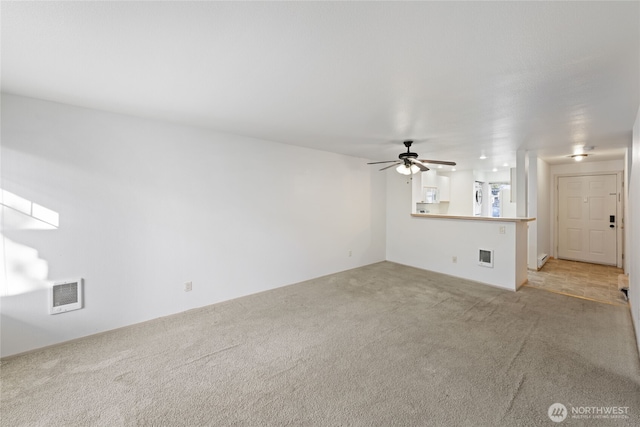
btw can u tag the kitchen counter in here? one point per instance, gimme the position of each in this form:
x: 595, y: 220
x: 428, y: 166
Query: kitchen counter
x: 473, y: 218
x: 455, y: 245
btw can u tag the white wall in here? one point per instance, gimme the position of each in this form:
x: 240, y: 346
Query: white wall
x: 430, y: 243
x: 503, y: 175
x: 521, y: 184
x: 633, y: 229
x: 145, y: 206
x: 538, y: 205
x: 532, y: 209
x: 583, y: 168
x: 543, y: 216
x: 627, y: 171
x: 508, y: 207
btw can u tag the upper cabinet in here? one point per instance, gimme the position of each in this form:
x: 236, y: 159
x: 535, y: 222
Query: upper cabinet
x: 434, y: 188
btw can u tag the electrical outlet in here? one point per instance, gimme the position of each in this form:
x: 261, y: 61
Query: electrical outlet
x: 188, y: 286
x: 454, y: 259
x: 503, y: 229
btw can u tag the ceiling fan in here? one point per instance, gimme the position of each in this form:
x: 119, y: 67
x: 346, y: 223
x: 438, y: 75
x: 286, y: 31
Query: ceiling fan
x: 409, y: 162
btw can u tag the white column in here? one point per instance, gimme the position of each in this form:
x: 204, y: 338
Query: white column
x: 521, y: 183
x: 532, y: 209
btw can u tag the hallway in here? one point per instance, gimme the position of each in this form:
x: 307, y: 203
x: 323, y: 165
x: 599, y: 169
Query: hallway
x: 578, y: 279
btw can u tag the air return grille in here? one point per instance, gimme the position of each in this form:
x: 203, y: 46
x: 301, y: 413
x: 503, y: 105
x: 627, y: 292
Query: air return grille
x: 485, y: 258
x: 65, y: 296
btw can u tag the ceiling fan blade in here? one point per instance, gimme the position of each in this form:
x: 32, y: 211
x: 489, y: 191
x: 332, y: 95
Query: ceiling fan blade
x: 388, y: 161
x: 390, y: 166
x: 438, y: 162
x: 419, y: 164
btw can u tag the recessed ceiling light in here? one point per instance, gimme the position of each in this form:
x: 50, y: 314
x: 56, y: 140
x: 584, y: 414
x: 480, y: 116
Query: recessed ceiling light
x: 506, y: 165
x: 482, y: 156
x: 453, y: 169
x: 494, y: 170
x: 440, y: 166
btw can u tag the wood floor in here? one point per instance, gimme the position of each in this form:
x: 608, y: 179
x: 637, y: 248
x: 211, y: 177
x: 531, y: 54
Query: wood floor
x: 579, y: 279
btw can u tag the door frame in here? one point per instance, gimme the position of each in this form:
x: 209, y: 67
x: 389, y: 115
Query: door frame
x: 619, y: 208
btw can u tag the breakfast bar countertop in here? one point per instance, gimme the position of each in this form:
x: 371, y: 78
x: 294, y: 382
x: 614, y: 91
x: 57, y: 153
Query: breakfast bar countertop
x: 475, y: 218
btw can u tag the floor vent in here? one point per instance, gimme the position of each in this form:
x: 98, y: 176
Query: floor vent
x: 65, y: 296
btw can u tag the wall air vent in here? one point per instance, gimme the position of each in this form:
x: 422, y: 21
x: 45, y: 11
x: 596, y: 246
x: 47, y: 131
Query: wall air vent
x: 65, y: 296
x: 485, y: 258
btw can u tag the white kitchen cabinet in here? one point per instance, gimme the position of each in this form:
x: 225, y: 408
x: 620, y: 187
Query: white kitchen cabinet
x: 435, y: 188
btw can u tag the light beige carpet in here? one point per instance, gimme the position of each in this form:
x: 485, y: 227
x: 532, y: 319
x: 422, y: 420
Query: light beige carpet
x: 380, y: 345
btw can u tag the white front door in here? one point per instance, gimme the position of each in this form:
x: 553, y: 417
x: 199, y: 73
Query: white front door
x: 587, y: 218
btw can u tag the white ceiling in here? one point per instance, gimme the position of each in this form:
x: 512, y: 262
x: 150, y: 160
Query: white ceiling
x: 349, y: 77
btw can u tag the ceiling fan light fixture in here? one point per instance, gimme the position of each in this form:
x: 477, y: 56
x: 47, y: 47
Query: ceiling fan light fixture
x: 404, y: 170
x: 407, y: 170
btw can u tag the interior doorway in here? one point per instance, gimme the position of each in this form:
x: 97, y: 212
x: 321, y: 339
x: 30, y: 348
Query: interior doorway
x: 501, y: 205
